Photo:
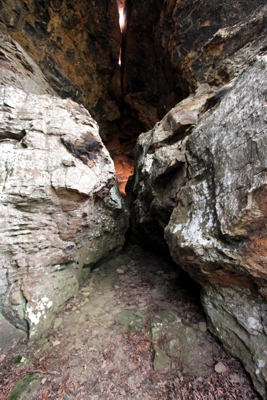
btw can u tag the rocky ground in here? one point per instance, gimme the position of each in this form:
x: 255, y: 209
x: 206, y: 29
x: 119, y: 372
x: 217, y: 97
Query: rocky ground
x: 135, y: 331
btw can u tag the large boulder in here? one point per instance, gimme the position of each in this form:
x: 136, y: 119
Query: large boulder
x: 201, y: 176
x: 60, y: 209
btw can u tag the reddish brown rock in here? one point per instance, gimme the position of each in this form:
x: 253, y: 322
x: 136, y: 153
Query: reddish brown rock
x: 75, y: 43
x: 174, y: 47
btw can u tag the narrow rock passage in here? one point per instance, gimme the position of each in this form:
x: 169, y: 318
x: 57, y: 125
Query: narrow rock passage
x: 133, y: 332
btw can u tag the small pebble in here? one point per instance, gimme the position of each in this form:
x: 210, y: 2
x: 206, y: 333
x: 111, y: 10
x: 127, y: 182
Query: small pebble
x: 69, y: 346
x: 85, y: 289
x: 58, y: 322
x: 129, y: 307
x: 87, y: 294
x: 121, y: 270
x: 236, y: 378
x: 220, y: 367
x: 56, y: 343
x: 202, y: 326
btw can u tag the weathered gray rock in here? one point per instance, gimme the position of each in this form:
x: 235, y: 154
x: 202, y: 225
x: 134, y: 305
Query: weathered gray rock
x: 160, y: 167
x: 161, y: 360
x: 60, y: 209
x: 238, y: 318
x: 195, y: 354
x: 132, y: 320
x: 204, y: 183
x: 9, y: 333
x: 155, y: 330
x: 19, y: 70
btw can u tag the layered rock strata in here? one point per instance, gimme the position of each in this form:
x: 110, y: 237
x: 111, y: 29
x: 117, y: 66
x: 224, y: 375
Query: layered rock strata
x: 168, y: 50
x: 201, y: 176
x: 76, y: 44
x: 173, y: 47
x: 60, y: 210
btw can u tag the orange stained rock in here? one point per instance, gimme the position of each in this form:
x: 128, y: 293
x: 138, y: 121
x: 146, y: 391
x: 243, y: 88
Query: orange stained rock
x: 124, y: 169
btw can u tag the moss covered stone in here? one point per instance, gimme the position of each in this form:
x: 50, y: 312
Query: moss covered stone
x: 132, y: 320
x: 161, y: 360
x: 21, y: 361
x: 26, y: 388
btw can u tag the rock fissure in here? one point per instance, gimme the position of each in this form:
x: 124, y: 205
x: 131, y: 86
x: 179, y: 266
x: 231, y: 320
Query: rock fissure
x: 199, y: 186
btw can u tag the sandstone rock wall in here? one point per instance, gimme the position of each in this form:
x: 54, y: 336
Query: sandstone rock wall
x: 211, y: 42
x: 174, y: 47
x: 200, y: 171
x: 75, y: 43
x: 60, y: 209
x: 201, y: 176
x: 170, y: 48
x: 19, y: 70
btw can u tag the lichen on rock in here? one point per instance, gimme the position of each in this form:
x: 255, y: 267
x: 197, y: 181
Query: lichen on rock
x: 206, y: 189
x: 61, y: 211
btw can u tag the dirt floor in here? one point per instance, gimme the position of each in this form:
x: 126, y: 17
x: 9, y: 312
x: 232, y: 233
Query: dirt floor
x: 136, y: 330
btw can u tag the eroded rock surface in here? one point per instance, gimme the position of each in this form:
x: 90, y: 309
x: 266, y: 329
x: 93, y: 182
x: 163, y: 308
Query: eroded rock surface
x: 202, y: 178
x: 75, y: 43
x: 19, y: 70
x: 174, y: 47
x: 60, y: 207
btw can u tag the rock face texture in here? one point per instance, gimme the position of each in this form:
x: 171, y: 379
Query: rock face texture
x: 211, y: 42
x: 19, y: 70
x: 200, y: 183
x: 169, y: 49
x: 75, y: 43
x: 172, y: 47
x: 201, y: 177
x: 60, y: 207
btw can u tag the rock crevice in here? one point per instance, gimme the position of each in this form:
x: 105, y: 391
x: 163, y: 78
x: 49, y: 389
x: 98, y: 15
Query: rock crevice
x: 215, y: 228
x: 200, y: 180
